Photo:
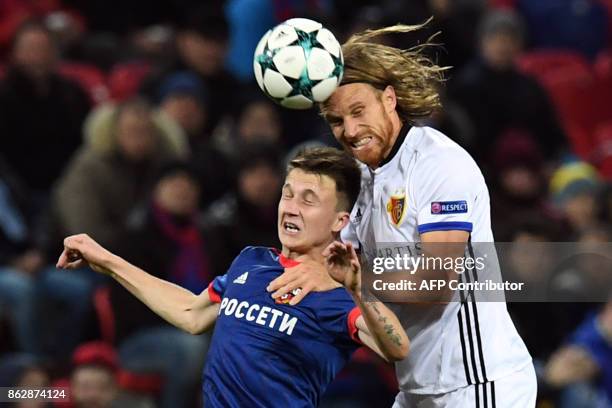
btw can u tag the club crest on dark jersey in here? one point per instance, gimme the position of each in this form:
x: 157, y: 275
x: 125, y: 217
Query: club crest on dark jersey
x: 396, y: 207
x: 286, y: 298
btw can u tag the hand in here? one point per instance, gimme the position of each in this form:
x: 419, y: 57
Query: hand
x: 344, y: 266
x: 309, y: 276
x: 80, y: 250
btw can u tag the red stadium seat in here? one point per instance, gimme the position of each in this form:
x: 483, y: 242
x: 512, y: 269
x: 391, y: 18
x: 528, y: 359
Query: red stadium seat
x: 541, y: 63
x: 581, y: 102
x: 89, y: 77
x: 603, y: 73
x: 602, y: 154
x: 579, y: 138
x: 125, y: 79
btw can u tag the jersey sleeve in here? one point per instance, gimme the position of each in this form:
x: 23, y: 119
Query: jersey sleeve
x: 216, y: 288
x: 338, y: 314
x: 445, y: 191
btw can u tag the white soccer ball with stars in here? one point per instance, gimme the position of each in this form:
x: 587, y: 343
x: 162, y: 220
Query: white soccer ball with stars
x: 298, y: 63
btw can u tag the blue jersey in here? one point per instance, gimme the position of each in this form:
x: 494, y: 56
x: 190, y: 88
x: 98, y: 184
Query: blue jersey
x: 266, y: 353
x: 590, y: 337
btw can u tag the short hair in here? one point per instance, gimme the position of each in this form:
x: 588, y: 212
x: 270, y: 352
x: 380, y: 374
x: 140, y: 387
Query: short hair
x: 335, y: 164
x: 415, y: 78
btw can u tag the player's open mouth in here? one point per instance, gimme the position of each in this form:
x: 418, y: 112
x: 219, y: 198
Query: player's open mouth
x: 361, y: 143
x: 291, y: 228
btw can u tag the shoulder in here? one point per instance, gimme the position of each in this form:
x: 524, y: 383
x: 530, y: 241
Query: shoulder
x: 86, y: 163
x: 437, y: 153
x: 257, y: 255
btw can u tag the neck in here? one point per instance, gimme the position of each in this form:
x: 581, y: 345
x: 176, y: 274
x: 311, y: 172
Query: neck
x: 314, y: 253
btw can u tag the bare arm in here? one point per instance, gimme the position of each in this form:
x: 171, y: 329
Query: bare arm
x: 389, y: 339
x: 178, y: 306
x: 379, y: 328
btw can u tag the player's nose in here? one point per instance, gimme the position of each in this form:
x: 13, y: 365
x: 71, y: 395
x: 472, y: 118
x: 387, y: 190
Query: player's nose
x: 351, y: 128
x: 289, y: 207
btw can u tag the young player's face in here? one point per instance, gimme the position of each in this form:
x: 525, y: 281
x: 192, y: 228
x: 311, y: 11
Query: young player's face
x: 359, y: 116
x: 307, y: 212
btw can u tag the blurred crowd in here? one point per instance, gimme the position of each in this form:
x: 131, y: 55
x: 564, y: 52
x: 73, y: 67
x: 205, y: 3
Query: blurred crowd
x: 139, y: 123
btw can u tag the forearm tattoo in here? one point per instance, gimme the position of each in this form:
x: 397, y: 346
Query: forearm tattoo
x: 389, y: 329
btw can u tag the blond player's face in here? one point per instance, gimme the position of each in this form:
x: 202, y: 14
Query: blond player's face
x: 307, y: 211
x: 358, y: 115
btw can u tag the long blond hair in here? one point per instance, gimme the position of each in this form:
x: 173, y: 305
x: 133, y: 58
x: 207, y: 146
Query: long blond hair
x: 415, y: 78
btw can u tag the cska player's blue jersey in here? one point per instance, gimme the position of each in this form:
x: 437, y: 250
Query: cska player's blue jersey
x: 266, y: 353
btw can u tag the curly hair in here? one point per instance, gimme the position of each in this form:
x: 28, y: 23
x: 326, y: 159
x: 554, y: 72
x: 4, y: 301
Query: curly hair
x: 414, y: 77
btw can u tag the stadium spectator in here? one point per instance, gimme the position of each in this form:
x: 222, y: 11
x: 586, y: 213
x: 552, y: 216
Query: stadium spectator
x: 585, y: 275
x: 247, y: 216
x: 94, y: 380
x: 519, y: 182
x: 183, y: 99
x: 606, y: 204
x: 46, y: 308
x: 24, y: 371
x: 256, y: 121
x: 201, y: 46
x: 584, y: 364
x: 20, y: 260
x: 166, y: 239
x: 41, y: 113
x: 497, y: 97
x: 530, y: 259
x: 125, y: 148
x: 574, y: 189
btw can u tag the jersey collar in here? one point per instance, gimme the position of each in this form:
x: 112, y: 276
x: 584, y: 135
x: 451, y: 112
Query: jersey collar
x: 284, y: 261
x: 398, y: 143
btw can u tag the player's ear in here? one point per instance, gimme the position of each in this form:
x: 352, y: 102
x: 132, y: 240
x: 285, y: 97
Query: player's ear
x: 389, y: 99
x: 342, y: 219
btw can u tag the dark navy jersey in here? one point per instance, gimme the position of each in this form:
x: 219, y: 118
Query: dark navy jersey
x: 266, y: 353
x: 590, y: 337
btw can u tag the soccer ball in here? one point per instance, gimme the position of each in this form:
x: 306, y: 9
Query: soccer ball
x: 298, y: 63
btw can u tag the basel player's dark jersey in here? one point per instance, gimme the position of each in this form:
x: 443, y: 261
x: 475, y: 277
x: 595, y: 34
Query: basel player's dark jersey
x: 266, y: 353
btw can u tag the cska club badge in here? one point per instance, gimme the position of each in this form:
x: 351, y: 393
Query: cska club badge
x: 286, y: 298
x: 396, y: 207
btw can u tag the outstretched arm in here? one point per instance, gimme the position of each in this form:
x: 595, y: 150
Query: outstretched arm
x: 178, y: 306
x: 379, y: 328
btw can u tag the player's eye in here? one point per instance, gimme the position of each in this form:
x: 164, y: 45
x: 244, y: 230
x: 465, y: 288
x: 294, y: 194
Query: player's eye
x: 357, y: 112
x: 335, y: 122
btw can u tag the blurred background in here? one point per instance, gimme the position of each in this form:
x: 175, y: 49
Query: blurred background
x: 139, y: 123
